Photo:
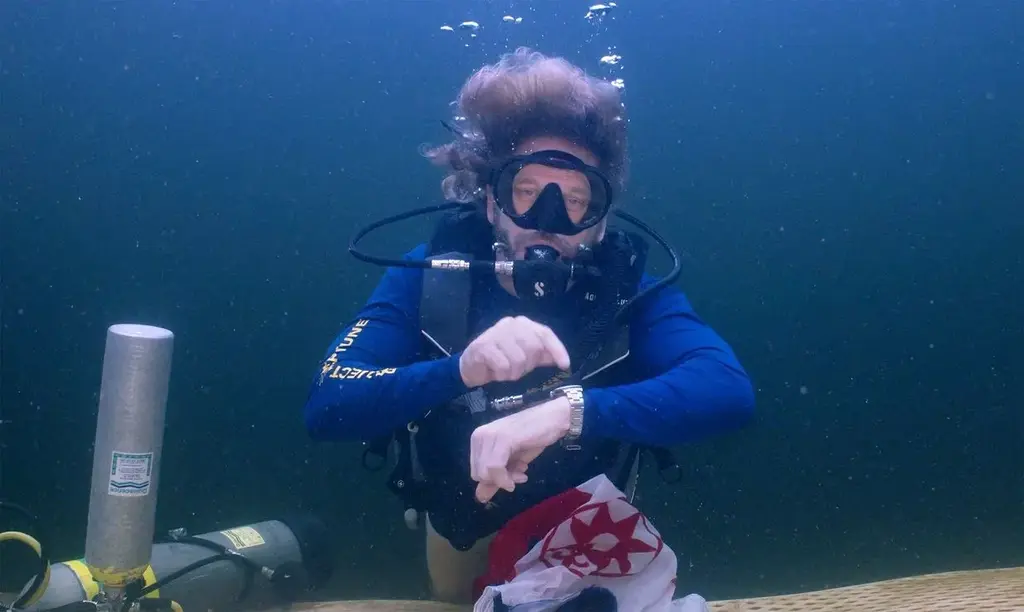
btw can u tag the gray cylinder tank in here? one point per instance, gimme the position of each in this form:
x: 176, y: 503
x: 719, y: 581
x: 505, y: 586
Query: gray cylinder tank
x: 126, y: 457
x: 300, y: 542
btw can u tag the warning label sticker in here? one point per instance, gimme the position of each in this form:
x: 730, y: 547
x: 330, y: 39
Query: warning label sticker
x: 244, y: 537
x: 130, y: 474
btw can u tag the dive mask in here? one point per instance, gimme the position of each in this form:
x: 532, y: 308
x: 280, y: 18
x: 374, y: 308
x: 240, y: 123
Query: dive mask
x: 533, y: 202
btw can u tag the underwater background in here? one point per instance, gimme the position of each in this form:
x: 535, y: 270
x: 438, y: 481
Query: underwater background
x: 844, y: 180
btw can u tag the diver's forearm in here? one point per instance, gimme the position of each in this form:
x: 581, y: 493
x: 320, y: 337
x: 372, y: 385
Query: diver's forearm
x: 354, y: 401
x: 694, y: 400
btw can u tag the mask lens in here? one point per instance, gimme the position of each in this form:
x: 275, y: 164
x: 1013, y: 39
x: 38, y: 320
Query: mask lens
x: 582, y: 192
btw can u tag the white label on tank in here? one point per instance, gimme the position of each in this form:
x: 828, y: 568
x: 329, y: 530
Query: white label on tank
x: 244, y: 537
x: 130, y: 474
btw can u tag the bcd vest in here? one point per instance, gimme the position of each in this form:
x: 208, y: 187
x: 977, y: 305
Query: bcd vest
x: 432, y: 470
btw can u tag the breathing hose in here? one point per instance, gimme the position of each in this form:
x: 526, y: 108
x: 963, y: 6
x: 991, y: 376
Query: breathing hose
x: 41, y: 578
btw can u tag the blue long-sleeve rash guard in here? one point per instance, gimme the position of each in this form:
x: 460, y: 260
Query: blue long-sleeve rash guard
x: 372, y: 381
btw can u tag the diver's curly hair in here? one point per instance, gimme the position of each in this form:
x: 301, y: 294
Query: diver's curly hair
x: 524, y: 95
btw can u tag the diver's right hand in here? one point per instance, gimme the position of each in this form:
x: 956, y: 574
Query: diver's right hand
x: 510, y: 349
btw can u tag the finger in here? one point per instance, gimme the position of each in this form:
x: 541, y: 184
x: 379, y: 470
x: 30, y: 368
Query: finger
x: 494, y: 463
x: 483, y: 455
x: 516, y: 358
x: 496, y: 362
x: 535, y: 351
x: 475, y: 444
x: 503, y: 480
x: 485, y: 491
x: 554, y: 347
x: 480, y: 443
x: 518, y: 466
x: 517, y: 471
x: 523, y: 332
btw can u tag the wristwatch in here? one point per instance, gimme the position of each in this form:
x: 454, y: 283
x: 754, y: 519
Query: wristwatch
x: 573, y: 393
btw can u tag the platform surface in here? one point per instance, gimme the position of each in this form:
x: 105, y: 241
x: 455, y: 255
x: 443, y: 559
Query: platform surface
x: 999, y: 590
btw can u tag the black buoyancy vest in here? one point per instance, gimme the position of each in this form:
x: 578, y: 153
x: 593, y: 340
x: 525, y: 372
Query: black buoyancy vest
x: 433, y: 452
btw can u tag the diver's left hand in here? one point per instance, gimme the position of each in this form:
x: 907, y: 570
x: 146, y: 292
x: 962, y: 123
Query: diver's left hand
x: 501, y: 450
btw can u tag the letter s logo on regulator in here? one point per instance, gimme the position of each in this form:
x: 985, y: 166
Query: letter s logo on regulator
x: 538, y: 289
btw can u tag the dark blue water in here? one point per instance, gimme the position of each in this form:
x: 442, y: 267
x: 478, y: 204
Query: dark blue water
x: 844, y: 178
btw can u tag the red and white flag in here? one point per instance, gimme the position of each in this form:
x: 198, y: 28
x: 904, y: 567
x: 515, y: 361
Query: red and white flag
x: 589, y: 536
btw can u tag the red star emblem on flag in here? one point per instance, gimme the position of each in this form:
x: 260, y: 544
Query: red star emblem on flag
x: 607, y: 539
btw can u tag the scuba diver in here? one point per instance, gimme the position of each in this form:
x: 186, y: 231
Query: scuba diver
x: 523, y: 350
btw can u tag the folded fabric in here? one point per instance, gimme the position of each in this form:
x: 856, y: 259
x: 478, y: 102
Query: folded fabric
x: 586, y: 549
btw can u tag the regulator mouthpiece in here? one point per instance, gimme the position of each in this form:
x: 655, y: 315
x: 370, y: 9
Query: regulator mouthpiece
x: 541, y: 276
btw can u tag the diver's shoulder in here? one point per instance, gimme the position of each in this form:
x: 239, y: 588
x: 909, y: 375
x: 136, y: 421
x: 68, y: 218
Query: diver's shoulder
x: 401, y: 285
x: 417, y: 253
x: 409, y: 276
x: 668, y: 298
x: 648, y: 280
